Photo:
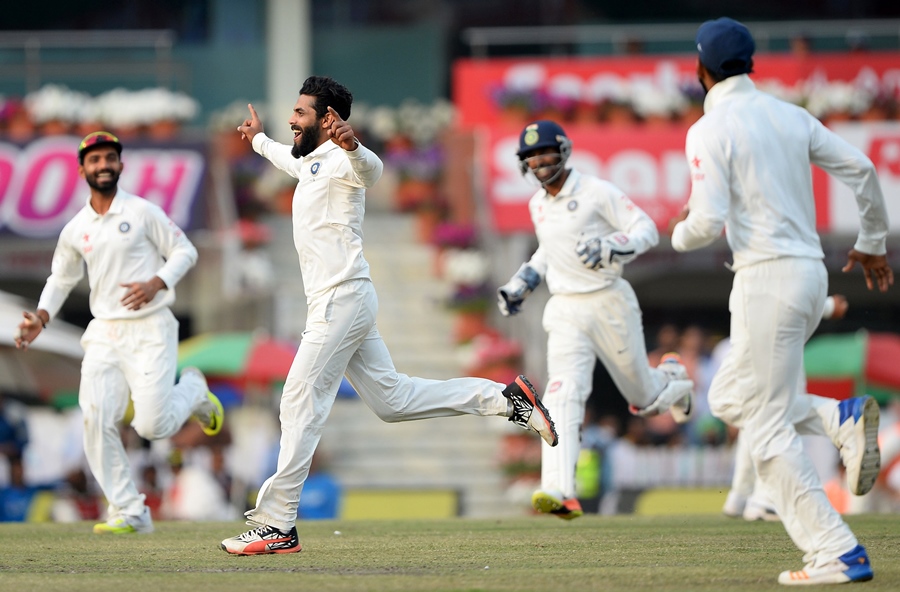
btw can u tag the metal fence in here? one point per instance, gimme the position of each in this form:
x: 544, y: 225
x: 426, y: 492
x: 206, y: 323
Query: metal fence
x: 661, y: 38
x: 36, y: 57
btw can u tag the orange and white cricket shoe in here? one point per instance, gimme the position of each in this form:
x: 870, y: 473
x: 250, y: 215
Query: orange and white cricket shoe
x: 263, y: 540
x: 528, y: 411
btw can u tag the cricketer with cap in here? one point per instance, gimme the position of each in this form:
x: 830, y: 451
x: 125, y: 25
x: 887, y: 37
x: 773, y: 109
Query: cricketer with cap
x: 134, y: 256
x: 749, y: 157
x: 587, y: 230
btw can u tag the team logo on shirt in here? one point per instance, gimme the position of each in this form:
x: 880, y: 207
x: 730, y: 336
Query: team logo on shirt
x: 572, y: 205
x: 124, y: 227
x: 315, y: 167
x: 696, y: 175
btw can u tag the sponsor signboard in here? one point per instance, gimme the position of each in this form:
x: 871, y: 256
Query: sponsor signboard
x: 40, y: 189
x: 649, y: 163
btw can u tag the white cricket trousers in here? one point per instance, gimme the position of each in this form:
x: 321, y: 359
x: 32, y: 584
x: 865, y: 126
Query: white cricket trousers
x: 341, y: 337
x: 581, y: 328
x: 821, y: 418
x: 775, y: 307
x: 139, y: 356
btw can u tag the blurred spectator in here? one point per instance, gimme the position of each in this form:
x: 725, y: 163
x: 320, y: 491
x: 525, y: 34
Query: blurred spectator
x: 667, y: 338
x: 15, y: 123
x: 321, y: 499
x: 75, y: 499
x: 16, y: 498
x: 661, y: 429
x: 194, y: 494
x: 801, y: 45
x: 13, y: 429
x: 621, y: 465
x: 596, y: 438
x: 149, y: 485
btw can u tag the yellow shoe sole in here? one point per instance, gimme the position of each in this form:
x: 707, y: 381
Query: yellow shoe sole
x: 218, y: 417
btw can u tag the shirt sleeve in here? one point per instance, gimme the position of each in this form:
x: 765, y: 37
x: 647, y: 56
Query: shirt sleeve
x: 366, y: 165
x: 276, y: 153
x: 710, y: 193
x: 538, y: 262
x: 179, y: 253
x: 66, y: 270
x: 623, y: 214
x: 849, y: 165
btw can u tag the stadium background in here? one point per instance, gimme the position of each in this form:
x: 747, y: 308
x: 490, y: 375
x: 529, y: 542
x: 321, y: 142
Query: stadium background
x: 173, y: 78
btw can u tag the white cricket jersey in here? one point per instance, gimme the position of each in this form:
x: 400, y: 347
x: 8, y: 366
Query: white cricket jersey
x: 132, y: 242
x: 585, y: 207
x: 750, y: 157
x: 328, y: 209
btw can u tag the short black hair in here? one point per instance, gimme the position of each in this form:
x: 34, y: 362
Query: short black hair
x: 328, y: 93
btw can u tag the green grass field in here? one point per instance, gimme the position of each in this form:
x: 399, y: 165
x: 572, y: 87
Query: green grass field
x: 537, y: 553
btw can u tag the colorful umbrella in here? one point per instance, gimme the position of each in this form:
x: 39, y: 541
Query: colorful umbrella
x: 850, y: 364
x: 246, y: 357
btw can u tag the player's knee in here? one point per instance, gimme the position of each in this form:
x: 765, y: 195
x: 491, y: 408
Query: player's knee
x: 148, y: 428
x: 389, y: 415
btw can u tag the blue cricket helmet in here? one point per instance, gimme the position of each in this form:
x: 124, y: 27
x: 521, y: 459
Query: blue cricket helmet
x: 544, y: 134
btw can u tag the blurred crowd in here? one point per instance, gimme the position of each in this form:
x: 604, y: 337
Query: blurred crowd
x: 186, y: 477
x: 189, y: 478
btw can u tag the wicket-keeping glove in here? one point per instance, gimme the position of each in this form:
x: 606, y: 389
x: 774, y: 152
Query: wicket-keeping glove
x: 511, y: 295
x: 598, y: 252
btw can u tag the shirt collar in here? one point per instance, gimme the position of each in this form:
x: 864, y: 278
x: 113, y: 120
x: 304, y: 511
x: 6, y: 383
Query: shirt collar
x: 321, y: 149
x: 568, y: 187
x: 727, y: 89
x: 116, y: 207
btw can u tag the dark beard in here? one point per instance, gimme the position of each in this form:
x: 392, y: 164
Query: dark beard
x: 308, y: 142
x: 702, y: 85
x: 107, y: 188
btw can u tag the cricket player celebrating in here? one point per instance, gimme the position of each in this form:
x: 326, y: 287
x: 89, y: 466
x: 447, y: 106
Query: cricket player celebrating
x: 333, y: 170
x: 750, y: 157
x: 587, y: 230
x: 134, y: 256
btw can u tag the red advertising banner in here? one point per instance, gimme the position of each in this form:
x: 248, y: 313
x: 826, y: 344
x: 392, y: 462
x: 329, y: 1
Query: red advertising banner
x: 648, y: 162
x: 40, y: 189
x: 651, y: 168
x: 481, y: 85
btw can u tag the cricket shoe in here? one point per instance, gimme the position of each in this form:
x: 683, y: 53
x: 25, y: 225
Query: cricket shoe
x: 852, y: 566
x: 123, y: 524
x: 552, y: 502
x: 209, y: 412
x: 756, y: 511
x: 675, y: 397
x: 528, y: 411
x: 263, y: 540
x: 735, y: 503
x: 857, y: 440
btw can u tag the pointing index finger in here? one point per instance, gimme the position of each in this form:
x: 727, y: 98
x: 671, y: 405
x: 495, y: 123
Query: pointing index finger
x: 252, y: 111
x: 334, y: 113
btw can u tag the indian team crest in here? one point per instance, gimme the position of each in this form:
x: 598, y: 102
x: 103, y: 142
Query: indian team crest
x: 531, y: 137
x: 124, y: 227
x: 315, y: 167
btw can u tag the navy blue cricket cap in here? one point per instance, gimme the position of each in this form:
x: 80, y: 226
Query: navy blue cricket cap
x: 726, y: 47
x: 541, y: 134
